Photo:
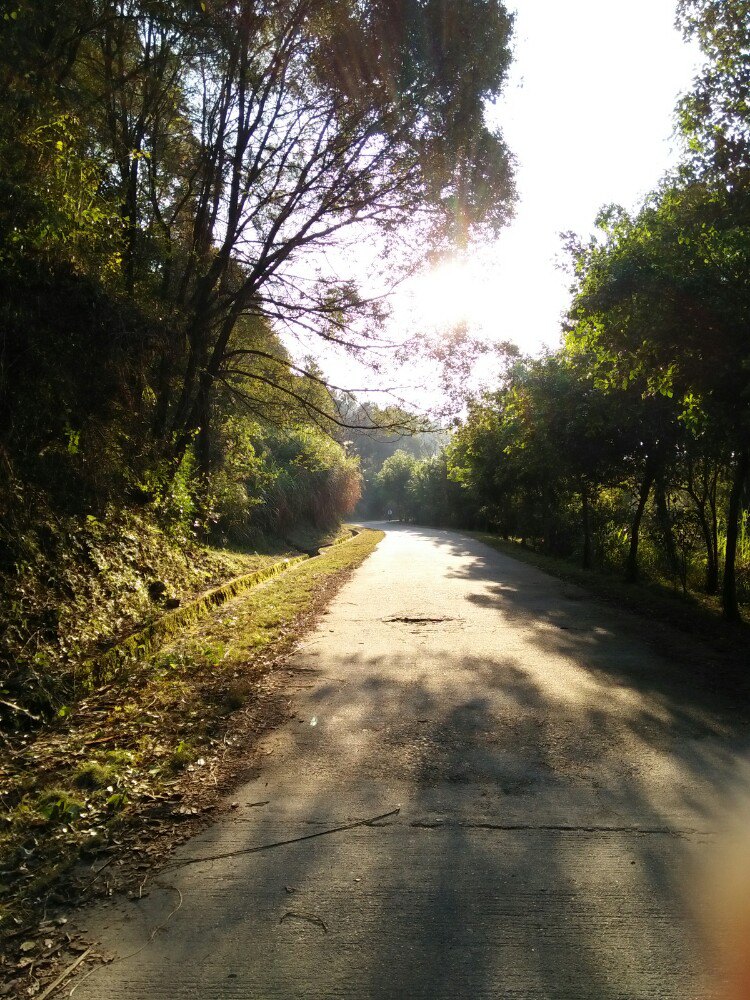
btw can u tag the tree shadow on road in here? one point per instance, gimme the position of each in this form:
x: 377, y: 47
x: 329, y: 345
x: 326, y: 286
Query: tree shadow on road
x: 550, y: 805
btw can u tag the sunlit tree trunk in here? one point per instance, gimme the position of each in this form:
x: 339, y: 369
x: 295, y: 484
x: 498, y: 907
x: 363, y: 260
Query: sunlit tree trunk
x: 729, y: 585
x: 665, y: 524
x: 631, y: 569
x: 712, y: 565
x: 704, y: 500
x: 712, y: 574
x: 586, y: 516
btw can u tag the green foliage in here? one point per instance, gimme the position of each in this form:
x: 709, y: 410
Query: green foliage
x: 182, y: 755
x: 59, y: 806
x: 650, y: 296
x: 272, y: 479
x: 392, y: 484
x: 433, y: 497
x: 561, y: 465
x: 374, y: 448
x: 715, y: 115
x: 58, y: 208
x: 117, y: 801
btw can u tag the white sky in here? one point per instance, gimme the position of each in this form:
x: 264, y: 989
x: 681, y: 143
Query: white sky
x: 588, y: 114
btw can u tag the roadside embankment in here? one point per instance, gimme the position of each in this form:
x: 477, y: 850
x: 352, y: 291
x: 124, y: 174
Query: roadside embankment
x: 79, y: 586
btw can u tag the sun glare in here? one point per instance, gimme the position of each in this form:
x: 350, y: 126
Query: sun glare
x: 452, y: 293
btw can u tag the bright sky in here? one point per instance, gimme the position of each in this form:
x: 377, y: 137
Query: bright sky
x: 588, y: 114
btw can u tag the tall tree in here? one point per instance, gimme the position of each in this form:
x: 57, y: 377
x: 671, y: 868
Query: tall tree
x: 653, y: 294
x: 258, y: 133
x: 192, y: 161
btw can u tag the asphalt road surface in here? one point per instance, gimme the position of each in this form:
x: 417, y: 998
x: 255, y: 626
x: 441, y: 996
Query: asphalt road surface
x: 559, y: 785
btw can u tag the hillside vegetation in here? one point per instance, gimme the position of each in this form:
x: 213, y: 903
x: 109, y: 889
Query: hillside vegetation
x: 172, y: 174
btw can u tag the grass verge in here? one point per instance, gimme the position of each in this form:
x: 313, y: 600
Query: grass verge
x: 138, y: 646
x: 133, y: 767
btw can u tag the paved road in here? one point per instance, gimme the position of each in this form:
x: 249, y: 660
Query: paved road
x: 556, y: 781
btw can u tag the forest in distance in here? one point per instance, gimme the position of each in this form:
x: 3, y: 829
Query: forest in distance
x: 171, y: 173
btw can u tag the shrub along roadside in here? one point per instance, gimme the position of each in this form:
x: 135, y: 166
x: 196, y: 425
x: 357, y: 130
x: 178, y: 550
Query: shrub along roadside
x: 141, y: 755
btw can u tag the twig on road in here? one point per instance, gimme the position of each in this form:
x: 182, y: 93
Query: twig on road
x: 64, y: 974
x: 181, y: 863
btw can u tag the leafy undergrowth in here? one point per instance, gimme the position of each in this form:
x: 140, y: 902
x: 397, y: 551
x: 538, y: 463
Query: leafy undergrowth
x: 696, y: 616
x: 86, y: 584
x: 134, y: 767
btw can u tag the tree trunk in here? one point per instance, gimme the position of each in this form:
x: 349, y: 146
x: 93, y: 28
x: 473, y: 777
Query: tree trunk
x: 585, y: 512
x: 729, y: 586
x: 712, y: 583
x: 130, y: 214
x: 662, y: 514
x: 548, y: 522
x: 712, y: 564
x: 203, y: 436
x: 631, y: 568
x: 705, y: 507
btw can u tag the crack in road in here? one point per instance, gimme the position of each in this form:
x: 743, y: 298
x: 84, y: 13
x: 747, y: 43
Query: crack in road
x: 416, y: 620
x: 557, y: 828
